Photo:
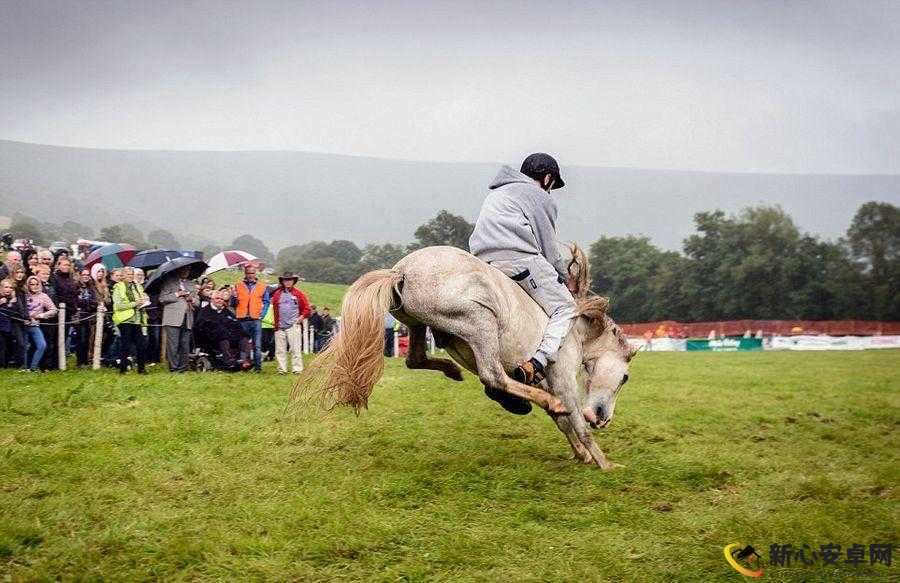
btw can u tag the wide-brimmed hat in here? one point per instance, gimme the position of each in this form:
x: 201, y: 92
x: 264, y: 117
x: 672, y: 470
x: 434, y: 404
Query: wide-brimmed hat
x: 288, y: 275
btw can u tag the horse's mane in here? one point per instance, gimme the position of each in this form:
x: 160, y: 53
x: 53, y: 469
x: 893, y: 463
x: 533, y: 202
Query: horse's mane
x: 590, y: 305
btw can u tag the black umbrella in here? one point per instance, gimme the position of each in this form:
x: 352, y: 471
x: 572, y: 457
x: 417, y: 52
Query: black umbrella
x: 153, y: 258
x: 198, y: 266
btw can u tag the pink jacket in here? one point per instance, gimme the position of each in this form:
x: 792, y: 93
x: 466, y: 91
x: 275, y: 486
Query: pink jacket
x: 40, y: 306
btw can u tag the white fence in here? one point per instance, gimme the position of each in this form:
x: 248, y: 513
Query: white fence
x: 832, y: 342
x: 783, y: 343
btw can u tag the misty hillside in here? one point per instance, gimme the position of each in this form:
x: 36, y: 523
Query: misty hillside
x: 293, y: 197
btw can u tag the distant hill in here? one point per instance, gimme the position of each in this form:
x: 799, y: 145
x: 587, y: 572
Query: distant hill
x: 293, y: 197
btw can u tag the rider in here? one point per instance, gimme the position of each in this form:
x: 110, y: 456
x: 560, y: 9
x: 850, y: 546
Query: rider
x: 516, y: 233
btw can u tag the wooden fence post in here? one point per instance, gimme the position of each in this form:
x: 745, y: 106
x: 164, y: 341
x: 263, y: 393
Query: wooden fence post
x: 98, y: 337
x: 163, y: 358
x: 61, y: 337
x: 304, y: 340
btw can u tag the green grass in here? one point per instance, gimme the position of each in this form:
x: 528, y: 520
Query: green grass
x: 319, y: 294
x: 197, y: 477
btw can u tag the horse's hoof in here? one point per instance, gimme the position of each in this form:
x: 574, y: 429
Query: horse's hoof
x: 557, y: 408
x: 454, y: 374
x: 513, y: 404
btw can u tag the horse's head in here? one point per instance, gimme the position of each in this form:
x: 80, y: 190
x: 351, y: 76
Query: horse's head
x: 606, y: 358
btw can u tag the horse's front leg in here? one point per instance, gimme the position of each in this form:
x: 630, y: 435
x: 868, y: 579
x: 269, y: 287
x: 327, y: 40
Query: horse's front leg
x: 580, y: 452
x: 563, y: 382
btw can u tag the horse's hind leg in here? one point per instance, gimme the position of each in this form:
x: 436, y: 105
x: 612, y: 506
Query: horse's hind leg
x: 417, y: 357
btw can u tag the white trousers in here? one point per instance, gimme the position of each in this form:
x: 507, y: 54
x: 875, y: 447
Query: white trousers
x: 291, y: 337
x: 540, y: 281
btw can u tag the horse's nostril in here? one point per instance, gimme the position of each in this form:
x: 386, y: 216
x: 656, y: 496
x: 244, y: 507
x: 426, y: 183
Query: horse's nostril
x: 625, y: 378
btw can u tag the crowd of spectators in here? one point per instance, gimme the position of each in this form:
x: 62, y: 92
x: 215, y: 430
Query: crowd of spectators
x: 236, y: 326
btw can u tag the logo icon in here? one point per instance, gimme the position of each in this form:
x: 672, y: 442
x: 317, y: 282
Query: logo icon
x: 745, y: 561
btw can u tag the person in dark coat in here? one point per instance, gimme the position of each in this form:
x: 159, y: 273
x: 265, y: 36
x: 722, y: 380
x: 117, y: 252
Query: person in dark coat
x: 323, y: 334
x: 218, y: 329
x: 13, y: 310
x: 85, y: 306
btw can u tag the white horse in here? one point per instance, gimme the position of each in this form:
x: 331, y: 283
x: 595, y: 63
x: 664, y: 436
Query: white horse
x: 488, y: 324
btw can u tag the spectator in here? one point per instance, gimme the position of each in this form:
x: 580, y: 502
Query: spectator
x: 59, y: 254
x: 291, y: 308
x: 13, y: 259
x: 31, y: 262
x: 323, y: 336
x: 268, y: 331
x: 251, y: 301
x: 315, y: 322
x: 129, y: 315
x: 98, y: 274
x: 219, y: 330
x: 45, y: 257
x: 48, y: 329
x: 179, y: 300
x: 154, y: 322
x: 85, y: 306
x: 115, y: 276
x: 65, y: 291
x: 12, y: 312
x: 389, y: 323
x: 205, y: 291
x: 227, y: 294
x: 18, y: 276
x: 40, y: 309
x: 104, y: 299
x: 42, y: 272
x: 64, y: 283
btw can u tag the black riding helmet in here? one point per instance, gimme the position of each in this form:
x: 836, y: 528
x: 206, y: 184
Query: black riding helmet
x: 539, y: 165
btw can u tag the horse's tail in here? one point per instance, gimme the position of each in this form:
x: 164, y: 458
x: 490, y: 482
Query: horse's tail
x: 346, y: 371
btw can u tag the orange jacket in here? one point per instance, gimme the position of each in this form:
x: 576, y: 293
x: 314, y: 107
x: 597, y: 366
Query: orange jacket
x: 251, y: 303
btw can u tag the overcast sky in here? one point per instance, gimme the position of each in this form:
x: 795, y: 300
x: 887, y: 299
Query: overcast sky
x: 747, y: 85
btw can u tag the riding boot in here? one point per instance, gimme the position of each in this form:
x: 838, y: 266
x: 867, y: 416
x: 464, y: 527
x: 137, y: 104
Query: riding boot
x: 530, y: 372
x: 513, y: 404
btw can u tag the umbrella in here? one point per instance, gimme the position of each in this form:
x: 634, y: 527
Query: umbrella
x: 153, y: 258
x: 111, y: 256
x: 172, y: 266
x: 227, y: 259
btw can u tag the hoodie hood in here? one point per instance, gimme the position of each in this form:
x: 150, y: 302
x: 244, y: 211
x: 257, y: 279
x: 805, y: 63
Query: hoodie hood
x: 509, y: 175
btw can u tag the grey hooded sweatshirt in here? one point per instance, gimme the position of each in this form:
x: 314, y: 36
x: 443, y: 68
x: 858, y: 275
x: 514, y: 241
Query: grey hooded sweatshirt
x: 517, y: 220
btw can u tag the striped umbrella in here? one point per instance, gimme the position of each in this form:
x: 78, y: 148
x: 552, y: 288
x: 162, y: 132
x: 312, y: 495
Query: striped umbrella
x: 111, y: 256
x: 229, y: 259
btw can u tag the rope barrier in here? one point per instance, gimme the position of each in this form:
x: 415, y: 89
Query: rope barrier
x: 40, y: 323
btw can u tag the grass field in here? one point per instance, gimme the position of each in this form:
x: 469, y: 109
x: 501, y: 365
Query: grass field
x: 197, y: 477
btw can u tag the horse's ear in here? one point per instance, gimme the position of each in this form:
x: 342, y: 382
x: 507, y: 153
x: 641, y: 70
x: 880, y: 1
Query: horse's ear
x: 579, y: 270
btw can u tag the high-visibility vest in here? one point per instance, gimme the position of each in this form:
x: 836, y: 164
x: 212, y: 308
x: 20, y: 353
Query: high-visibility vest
x: 249, y: 304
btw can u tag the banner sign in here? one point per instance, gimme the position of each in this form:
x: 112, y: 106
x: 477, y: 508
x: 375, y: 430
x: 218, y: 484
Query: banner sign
x: 725, y: 344
x: 834, y: 342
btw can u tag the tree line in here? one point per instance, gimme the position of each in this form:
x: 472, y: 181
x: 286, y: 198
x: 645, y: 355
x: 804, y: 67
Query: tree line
x: 756, y: 264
